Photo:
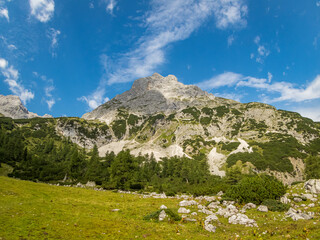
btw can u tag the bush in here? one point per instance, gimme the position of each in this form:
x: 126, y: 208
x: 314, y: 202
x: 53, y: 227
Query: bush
x: 256, y: 189
x: 312, y: 170
x: 169, y: 212
x: 275, y: 206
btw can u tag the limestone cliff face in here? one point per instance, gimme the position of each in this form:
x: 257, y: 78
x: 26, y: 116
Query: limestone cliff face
x: 152, y: 95
x: 162, y: 116
x: 11, y: 106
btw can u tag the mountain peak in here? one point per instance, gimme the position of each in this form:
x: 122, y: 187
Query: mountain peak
x: 153, y: 94
x: 11, y: 106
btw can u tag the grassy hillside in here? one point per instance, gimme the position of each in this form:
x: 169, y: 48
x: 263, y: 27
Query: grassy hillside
x: 39, y: 211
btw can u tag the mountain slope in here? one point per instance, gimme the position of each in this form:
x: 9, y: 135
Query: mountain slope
x: 159, y: 115
x: 11, y: 106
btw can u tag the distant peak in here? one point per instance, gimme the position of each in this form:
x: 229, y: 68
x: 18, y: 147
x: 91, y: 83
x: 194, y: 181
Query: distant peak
x: 156, y: 75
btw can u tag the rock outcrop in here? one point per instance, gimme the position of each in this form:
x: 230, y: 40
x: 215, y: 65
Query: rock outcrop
x: 11, y: 106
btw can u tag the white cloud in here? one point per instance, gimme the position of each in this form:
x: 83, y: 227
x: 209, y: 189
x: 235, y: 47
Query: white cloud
x: 232, y: 96
x: 53, y: 36
x: 111, y: 4
x: 262, y: 51
x: 286, y: 90
x: 50, y: 103
x: 309, y: 112
x: 165, y: 23
x: 318, y: 4
x: 230, y: 12
x: 4, y: 13
x: 270, y: 76
x: 12, y: 47
x: 12, y: 77
x: 224, y: 79
x: 42, y: 9
x: 230, y: 40
x: 3, y: 63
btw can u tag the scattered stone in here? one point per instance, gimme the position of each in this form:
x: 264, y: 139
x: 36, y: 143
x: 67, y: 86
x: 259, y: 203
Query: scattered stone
x: 91, y: 184
x: 242, y: 219
x: 313, y: 185
x: 163, y: 207
x: 183, y: 210
x: 210, y: 218
x: 194, y: 214
x: 210, y: 228
x: 220, y: 193
x: 186, y: 203
x: 205, y: 211
x: 311, y: 205
x: 228, y: 212
x: 162, y: 215
x: 189, y: 219
x: 297, y: 214
x: 262, y: 208
x: 201, y: 206
x: 297, y: 199
x: 115, y: 210
x: 285, y: 200
x: 213, y: 205
x: 248, y: 206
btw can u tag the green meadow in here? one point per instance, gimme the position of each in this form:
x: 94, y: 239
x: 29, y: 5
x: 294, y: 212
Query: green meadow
x: 31, y: 210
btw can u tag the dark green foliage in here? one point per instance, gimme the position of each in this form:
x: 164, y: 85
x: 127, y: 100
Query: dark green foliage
x: 197, y: 143
x: 312, y: 169
x: 255, y: 158
x: 230, y: 146
x: 221, y: 111
x: 155, y: 215
x: 193, y: 111
x: 314, y: 147
x: 152, y: 120
x: 258, y: 126
x: 236, y: 128
x: 133, y: 119
x: 275, y: 205
x: 171, y: 117
x: 119, y: 128
x: 256, y: 189
x: 205, y: 120
x: 207, y: 111
x: 236, y: 112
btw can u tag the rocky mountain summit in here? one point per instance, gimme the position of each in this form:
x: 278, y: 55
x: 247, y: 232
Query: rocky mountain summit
x: 11, y: 106
x: 152, y: 95
x: 164, y: 117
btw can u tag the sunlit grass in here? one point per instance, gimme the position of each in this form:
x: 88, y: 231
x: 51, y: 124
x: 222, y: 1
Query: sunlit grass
x: 39, y: 211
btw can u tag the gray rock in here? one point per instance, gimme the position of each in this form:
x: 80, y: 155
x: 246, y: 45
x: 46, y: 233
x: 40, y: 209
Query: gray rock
x: 90, y: 184
x: 210, y: 228
x: 243, y: 220
x: 183, y: 210
x: 297, y: 215
x: 11, y: 106
x: 297, y: 199
x: 313, y: 185
x: 228, y: 211
x: 248, y: 206
x: 163, y: 207
x: 162, y: 215
x: 186, y: 203
x: 262, y: 208
x: 285, y: 200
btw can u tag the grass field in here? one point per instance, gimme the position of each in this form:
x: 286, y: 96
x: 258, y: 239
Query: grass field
x: 40, y: 211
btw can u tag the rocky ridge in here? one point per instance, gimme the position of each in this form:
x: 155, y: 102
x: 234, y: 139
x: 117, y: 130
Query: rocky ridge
x: 11, y: 106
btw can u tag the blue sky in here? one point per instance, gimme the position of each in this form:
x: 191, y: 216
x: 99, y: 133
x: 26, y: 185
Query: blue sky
x: 66, y: 57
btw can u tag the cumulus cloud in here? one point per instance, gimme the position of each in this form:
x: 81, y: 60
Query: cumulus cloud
x: 4, y: 13
x: 309, y: 112
x: 12, y: 79
x: 111, y: 4
x: 230, y: 40
x: 262, y: 51
x: 224, y: 79
x: 42, y: 9
x: 286, y: 90
x: 53, y: 35
x: 166, y: 22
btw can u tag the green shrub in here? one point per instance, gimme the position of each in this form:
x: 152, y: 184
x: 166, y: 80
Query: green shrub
x: 192, y: 111
x: 256, y: 189
x: 155, y: 215
x: 222, y: 110
x: 133, y: 119
x: 119, y: 128
x: 312, y: 169
x: 230, y: 146
x: 275, y: 205
x: 205, y: 120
